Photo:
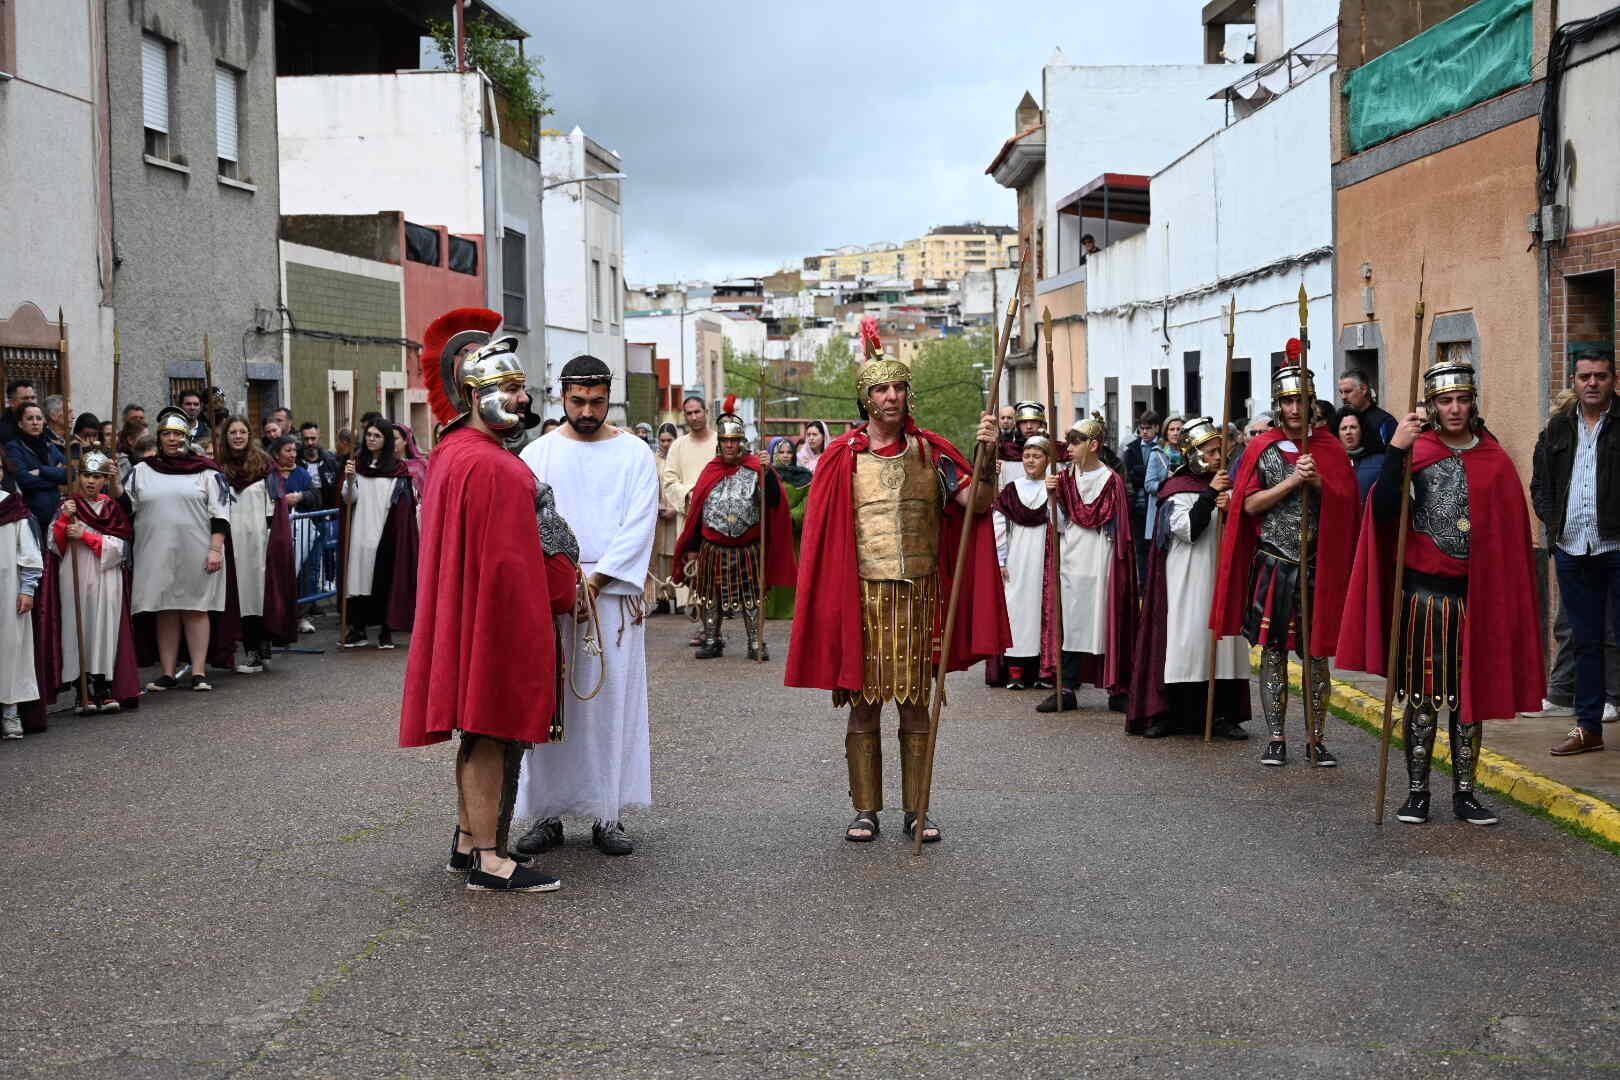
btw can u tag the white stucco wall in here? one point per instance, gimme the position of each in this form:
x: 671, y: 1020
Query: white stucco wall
x: 582, y: 228
x: 50, y: 221
x: 1254, y: 193
x: 1134, y: 119
x: 1589, y: 109
x: 353, y: 144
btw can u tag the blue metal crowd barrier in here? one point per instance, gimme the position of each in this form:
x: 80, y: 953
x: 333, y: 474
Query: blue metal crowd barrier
x: 315, y: 553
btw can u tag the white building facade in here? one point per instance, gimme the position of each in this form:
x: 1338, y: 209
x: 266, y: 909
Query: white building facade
x: 584, y: 246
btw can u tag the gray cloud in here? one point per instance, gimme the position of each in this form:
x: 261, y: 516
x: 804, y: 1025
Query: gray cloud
x: 756, y: 135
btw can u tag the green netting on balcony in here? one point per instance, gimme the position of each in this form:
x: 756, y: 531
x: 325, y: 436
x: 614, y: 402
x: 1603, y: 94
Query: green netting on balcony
x: 1480, y: 52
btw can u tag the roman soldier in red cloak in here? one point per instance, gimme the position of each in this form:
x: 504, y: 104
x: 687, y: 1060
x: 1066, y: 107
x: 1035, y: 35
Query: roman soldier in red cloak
x: 722, y: 539
x: 1258, y: 585
x: 1469, y: 645
x: 483, y: 659
x: 876, y: 557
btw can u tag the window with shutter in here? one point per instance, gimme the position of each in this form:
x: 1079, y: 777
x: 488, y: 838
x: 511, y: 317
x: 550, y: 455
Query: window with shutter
x: 155, y: 94
x: 515, y: 280
x: 226, y: 120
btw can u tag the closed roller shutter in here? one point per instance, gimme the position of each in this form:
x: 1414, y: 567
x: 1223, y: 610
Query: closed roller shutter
x: 155, y: 83
x: 225, y: 84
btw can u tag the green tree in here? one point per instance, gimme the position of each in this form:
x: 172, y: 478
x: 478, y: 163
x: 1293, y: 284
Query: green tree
x: 947, y: 390
x: 516, y: 76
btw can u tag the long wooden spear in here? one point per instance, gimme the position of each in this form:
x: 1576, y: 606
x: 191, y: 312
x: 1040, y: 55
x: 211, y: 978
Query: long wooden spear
x: 1307, y: 418
x: 118, y: 362
x: 356, y: 440
x: 765, y: 474
x: 962, y: 545
x: 1393, y: 654
x: 66, y: 370
x: 1053, y: 527
x: 208, y: 390
x: 1220, y: 515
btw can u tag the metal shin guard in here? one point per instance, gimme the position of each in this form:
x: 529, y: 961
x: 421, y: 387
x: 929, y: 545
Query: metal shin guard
x: 711, y: 623
x: 864, y: 752
x: 1321, y: 676
x: 913, y: 762
x: 750, y: 618
x: 1274, y: 688
x: 1464, y: 753
x: 1420, y: 726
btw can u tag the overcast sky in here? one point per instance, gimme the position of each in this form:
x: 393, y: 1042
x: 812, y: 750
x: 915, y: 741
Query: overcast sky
x: 755, y: 134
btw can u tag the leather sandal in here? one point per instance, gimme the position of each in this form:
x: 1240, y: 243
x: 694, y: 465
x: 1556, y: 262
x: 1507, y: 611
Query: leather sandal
x: 867, y: 820
x: 931, y: 833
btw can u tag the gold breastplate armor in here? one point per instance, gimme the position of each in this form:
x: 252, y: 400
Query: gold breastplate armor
x: 897, y: 515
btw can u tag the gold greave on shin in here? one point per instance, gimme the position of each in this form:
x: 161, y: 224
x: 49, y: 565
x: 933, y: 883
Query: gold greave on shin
x: 864, y: 752
x: 913, y: 762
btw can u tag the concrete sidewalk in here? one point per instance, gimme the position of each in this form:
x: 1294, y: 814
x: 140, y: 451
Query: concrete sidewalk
x: 1583, y: 790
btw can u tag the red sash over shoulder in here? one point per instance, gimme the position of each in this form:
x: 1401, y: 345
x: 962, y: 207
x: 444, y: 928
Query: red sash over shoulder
x: 1501, y: 648
x: 826, y: 651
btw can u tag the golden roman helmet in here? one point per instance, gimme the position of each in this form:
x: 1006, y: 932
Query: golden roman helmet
x: 728, y: 425
x: 1449, y: 377
x: 173, y: 418
x: 878, y: 368
x: 1030, y: 410
x: 1291, y: 381
x: 1092, y: 427
x: 1198, y: 431
x: 98, y: 463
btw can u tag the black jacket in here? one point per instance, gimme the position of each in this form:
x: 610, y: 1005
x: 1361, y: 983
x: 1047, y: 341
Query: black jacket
x: 1554, y: 461
x: 1135, y: 460
x: 330, y: 475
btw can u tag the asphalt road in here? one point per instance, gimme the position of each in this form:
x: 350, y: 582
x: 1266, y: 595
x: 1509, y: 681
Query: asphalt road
x: 251, y: 884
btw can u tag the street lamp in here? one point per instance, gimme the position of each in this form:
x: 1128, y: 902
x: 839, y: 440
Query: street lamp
x: 585, y: 180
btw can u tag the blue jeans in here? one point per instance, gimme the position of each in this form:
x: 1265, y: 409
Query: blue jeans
x: 1589, y: 586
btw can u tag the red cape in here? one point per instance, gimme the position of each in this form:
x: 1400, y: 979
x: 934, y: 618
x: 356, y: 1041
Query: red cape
x: 1335, y: 541
x: 483, y: 655
x: 1501, y: 646
x: 826, y: 651
x: 780, y: 566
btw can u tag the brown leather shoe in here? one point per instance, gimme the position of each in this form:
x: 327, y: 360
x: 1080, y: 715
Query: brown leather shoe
x: 1578, y: 741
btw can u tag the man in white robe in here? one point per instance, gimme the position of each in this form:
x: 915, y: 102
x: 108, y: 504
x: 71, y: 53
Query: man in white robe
x: 1171, y: 679
x: 605, y: 481
x: 688, y: 456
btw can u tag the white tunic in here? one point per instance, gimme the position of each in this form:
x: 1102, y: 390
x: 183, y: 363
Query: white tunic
x: 19, y: 551
x: 101, y: 603
x: 368, y: 507
x: 1088, y: 556
x: 250, y: 540
x: 608, y: 493
x: 172, y: 539
x: 1022, y: 550
x: 1189, y: 581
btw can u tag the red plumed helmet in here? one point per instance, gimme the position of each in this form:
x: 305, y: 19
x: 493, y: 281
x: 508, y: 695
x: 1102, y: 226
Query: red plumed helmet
x: 442, y: 396
x: 730, y: 404
x: 871, y: 344
x: 1293, y: 349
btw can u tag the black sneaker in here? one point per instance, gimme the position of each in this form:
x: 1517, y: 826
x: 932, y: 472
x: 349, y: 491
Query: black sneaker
x: 1415, y: 810
x: 760, y: 653
x: 523, y: 879
x: 1043, y: 684
x: 1050, y: 705
x: 201, y: 684
x: 162, y: 683
x: 1320, y: 756
x: 542, y: 836
x: 1225, y: 729
x: 1159, y: 729
x: 610, y: 838
x: 1469, y: 809
x: 1276, y: 753
x: 1016, y: 684
x: 385, y: 640
x: 356, y: 639
x: 710, y: 651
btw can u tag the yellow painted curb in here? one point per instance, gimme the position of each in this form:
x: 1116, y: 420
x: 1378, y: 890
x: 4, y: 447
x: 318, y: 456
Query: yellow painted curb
x: 1496, y: 772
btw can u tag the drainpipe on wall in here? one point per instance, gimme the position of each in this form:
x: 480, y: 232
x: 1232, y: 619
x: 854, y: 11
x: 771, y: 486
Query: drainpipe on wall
x: 495, y: 238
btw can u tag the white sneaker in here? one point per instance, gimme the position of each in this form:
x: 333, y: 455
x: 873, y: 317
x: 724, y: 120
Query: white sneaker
x: 1610, y: 713
x: 305, y: 626
x: 11, y: 727
x: 1549, y: 709
x: 248, y: 667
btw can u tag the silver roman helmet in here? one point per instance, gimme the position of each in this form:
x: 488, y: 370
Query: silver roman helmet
x: 1196, y: 434
x: 474, y: 365
x: 173, y: 418
x: 97, y: 462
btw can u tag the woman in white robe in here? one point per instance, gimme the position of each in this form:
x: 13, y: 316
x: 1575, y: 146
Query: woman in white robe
x: 376, y: 484
x: 247, y: 469
x: 1021, y: 549
x: 90, y: 536
x: 182, y: 509
x: 21, y: 567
